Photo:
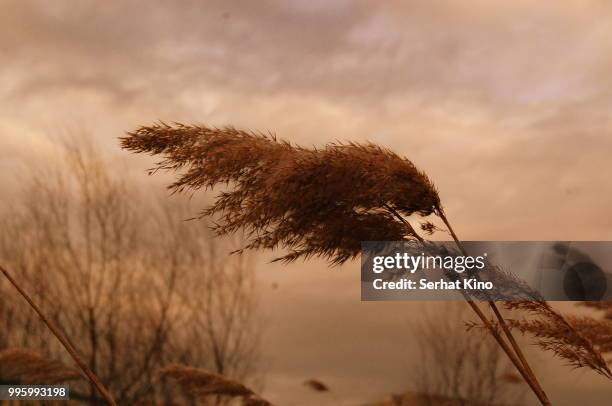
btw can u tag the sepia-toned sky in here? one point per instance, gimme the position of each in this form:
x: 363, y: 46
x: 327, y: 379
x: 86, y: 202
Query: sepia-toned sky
x: 505, y: 104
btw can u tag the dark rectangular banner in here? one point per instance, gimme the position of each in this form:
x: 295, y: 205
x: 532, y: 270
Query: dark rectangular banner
x: 486, y: 270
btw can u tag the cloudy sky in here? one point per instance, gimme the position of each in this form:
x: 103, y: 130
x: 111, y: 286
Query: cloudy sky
x: 505, y: 104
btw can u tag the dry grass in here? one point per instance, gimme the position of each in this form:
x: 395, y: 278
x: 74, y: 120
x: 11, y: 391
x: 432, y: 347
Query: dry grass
x: 313, y: 202
x: 598, y: 331
x: 27, y: 367
x: 62, y: 339
x: 570, y: 338
x: 325, y: 202
x: 201, y: 384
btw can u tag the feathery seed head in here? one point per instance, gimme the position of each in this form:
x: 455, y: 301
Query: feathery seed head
x: 27, y: 367
x: 313, y: 202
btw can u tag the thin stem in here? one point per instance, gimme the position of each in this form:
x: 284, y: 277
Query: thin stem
x: 65, y: 343
x: 502, y: 322
x: 519, y: 363
x: 514, y: 344
x: 403, y: 220
x: 529, y: 379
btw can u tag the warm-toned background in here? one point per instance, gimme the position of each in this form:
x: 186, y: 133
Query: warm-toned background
x: 506, y: 105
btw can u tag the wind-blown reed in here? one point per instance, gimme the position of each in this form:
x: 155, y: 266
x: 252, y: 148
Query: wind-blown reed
x: 313, y: 202
x: 201, y: 384
x: 27, y: 367
x: 580, y: 341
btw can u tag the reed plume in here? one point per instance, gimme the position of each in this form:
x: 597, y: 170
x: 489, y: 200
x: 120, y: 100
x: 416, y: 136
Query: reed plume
x: 312, y: 202
x: 582, y: 341
x: 201, y: 383
x: 598, y: 331
x: 577, y: 340
x: 28, y: 367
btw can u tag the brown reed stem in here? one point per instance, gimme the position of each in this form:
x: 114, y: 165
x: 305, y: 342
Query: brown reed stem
x: 515, y: 345
x: 524, y: 367
x: 530, y: 380
x: 403, y: 220
x: 65, y: 343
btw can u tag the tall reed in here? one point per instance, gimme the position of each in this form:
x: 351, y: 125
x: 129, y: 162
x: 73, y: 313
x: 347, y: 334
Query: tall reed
x: 201, y: 383
x: 27, y: 367
x: 95, y: 381
x: 312, y: 202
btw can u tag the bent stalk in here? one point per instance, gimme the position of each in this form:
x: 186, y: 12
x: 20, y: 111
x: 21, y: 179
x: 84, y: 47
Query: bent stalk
x: 65, y: 343
x: 521, y: 362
